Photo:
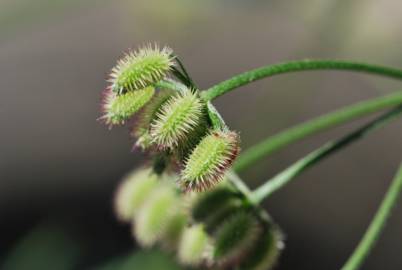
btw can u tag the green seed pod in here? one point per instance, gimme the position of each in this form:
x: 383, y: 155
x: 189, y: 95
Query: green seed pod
x: 144, y: 141
x: 154, y: 217
x: 185, y: 147
x: 133, y: 191
x: 208, y: 162
x: 170, y: 239
x: 141, y: 130
x: 235, y: 238
x: 140, y: 69
x: 194, y: 246
x: 117, y: 109
x: 176, y: 119
x: 219, y: 216
x: 265, y: 252
x: 212, y: 202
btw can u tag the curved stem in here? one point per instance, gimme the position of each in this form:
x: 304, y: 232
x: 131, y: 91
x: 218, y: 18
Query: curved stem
x: 313, y: 158
x: 238, y: 183
x: 216, y: 119
x: 294, y: 66
x: 171, y: 85
x: 284, y: 138
x: 377, y: 224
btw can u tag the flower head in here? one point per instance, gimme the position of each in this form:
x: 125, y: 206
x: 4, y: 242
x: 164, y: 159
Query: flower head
x: 209, y: 161
x: 141, y: 68
x: 178, y: 116
x: 117, y: 109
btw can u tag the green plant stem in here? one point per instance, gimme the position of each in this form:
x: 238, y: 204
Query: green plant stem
x: 171, y: 85
x: 313, y: 158
x: 284, y: 138
x: 238, y: 183
x: 216, y: 119
x: 377, y: 224
x: 295, y: 66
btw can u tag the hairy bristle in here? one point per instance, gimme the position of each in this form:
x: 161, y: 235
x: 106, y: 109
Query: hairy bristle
x: 177, y: 117
x: 141, y: 130
x: 117, y: 109
x: 207, y: 164
x: 141, y: 68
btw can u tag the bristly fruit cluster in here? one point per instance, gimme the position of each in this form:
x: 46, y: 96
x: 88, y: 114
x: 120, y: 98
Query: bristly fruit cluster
x: 214, y: 227
x: 221, y: 225
x: 173, y: 124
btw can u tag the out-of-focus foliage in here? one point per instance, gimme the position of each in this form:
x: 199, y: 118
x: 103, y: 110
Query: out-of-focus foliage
x: 47, y: 247
x: 144, y: 260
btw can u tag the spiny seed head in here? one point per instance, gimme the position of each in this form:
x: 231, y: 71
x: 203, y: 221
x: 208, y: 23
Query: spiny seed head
x: 177, y: 117
x: 117, y: 109
x: 133, y: 191
x: 144, y: 141
x: 264, y: 254
x: 141, y: 130
x: 184, y: 148
x: 194, y: 246
x: 170, y: 239
x: 235, y: 238
x: 210, y: 201
x: 220, y: 215
x: 155, y: 215
x: 141, y: 68
x: 209, y: 161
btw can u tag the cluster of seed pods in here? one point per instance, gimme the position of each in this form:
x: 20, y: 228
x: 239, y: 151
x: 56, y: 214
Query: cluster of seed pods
x: 182, y: 202
x: 215, y: 229
x: 169, y: 123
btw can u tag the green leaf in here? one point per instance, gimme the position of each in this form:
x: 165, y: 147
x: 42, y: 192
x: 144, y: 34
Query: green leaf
x: 377, y: 224
x: 291, y: 135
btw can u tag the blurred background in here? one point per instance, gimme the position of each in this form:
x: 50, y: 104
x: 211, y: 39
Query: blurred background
x: 59, y: 166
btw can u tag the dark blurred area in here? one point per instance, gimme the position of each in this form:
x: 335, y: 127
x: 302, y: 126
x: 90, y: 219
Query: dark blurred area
x: 59, y: 166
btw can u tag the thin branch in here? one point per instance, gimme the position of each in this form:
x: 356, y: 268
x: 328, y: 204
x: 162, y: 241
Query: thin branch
x: 296, y: 66
x: 286, y: 137
x: 313, y: 158
x: 171, y: 85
